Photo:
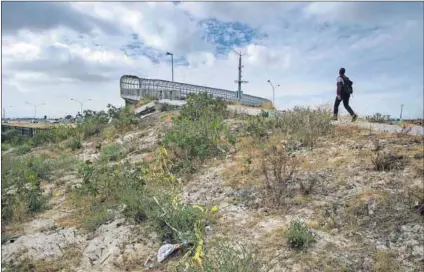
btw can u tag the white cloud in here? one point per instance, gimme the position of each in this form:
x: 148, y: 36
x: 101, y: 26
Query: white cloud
x: 300, y: 46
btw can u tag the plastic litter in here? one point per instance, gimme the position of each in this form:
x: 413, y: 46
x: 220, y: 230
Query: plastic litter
x: 166, y: 250
x: 149, y: 263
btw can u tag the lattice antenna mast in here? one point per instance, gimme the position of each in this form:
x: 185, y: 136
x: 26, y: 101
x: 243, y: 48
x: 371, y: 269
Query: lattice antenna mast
x: 239, y: 81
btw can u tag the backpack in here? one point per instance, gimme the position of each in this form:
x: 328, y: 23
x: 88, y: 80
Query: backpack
x: 347, y: 85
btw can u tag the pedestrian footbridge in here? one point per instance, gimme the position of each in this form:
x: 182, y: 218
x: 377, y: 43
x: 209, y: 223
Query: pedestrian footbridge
x: 134, y: 88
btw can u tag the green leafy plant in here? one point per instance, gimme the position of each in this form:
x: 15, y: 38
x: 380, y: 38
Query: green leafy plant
x: 21, y: 191
x: 111, y: 152
x: 298, y: 235
x: 23, y: 149
x: 198, y: 132
x: 226, y: 256
x: 378, y: 118
x: 300, y: 124
x: 278, y: 168
x: 75, y: 144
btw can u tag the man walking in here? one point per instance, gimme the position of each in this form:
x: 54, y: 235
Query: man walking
x: 344, y: 90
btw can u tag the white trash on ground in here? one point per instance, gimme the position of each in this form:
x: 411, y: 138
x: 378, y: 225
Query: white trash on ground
x: 166, y: 250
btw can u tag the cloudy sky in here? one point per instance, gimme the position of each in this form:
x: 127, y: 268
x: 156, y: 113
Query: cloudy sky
x: 55, y: 51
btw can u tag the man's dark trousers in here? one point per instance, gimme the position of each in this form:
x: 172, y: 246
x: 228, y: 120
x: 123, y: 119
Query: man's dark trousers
x: 345, y: 98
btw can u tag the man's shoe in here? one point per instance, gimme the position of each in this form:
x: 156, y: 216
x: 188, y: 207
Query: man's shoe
x: 335, y: 117
x: 354, y: 117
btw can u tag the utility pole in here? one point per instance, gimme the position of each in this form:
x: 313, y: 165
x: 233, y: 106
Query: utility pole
x: 401, y: 109
x: 239, y: 81
x: 172, y: 64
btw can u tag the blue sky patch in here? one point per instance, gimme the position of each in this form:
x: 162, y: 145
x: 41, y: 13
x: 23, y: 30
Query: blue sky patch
x: 226, y: 35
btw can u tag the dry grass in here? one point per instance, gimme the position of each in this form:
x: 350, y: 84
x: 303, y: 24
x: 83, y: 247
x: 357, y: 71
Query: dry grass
x: 67, y: 262
x: 342, y: 158
x: 245, y: 168
x: 385, y: 261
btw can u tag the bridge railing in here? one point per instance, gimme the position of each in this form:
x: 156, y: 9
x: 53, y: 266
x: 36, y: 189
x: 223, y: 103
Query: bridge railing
x: 24, y: 131
x: 135, y: 88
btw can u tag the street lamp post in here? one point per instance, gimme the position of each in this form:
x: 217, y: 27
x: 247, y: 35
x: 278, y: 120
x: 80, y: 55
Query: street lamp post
x: 401, y: 110
x: 273, y: 91
x: 4, y: 112
x: 81, y: 103
x: 172, y: 64
x: 35, y: 108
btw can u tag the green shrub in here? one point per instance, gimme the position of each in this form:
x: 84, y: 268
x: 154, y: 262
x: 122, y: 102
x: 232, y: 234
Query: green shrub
x: 97, y: 216
x: 378, y: 118
x: 75, y: 144
x: 110, y: 181
x: 18, y: 168
x: 143, y: 190
x: 298, y: 236
x: 21, y: 178
x: 174, y: 221
x: 225, y: 256
x: 202, y: 105
x: 5, y: 147
x: 166, y: 107
x: 23, y: 149
x: 54, y: 135
x: 300, y: 124
x: 198, y: 132
x: 42, y: 137
x: 90, y: 128
x: 13, y: 137
x: 264, y: 114
x: 124, y: 118
x: 112, y: 152
x: 21, y: 191
x: 278, y: 167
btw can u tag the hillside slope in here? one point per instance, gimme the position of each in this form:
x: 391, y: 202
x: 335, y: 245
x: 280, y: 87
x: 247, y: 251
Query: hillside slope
x: 299, y: 194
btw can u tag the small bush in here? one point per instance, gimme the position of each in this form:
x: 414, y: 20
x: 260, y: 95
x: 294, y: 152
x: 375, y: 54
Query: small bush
x: 122, y: 118
x: 226, y: 256
x: 378, y: 118
x: 385, y: 261
x: 23, y: 149
x: 298, y: 236
x: 383, y: 161
x: 166, y: 107
x: 109, y: 133
x: 5, y: 147
x: 278, y: 167
x: 198, y: 132
x: 111, y: 182
x: 112, y: 152
x: 13, y: 137
x: 75, y: 144
x: 21, y: 184
x: 300, y: 124
x: 173, y: 221
x: 97, y: 216
x: 54, y: 135
x: 264, y: 114
x: 21, y: 191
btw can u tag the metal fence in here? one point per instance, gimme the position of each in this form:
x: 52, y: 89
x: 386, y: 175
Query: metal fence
x: 134, y: 88
x: 24, y: 131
